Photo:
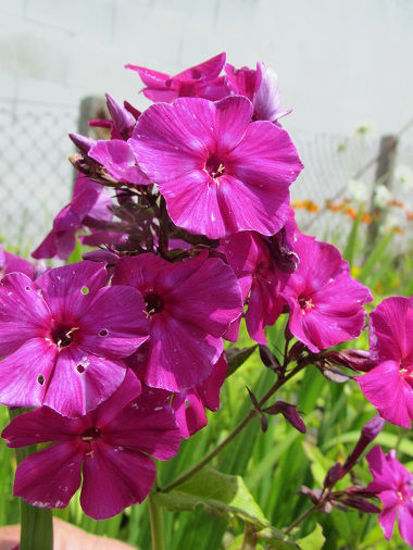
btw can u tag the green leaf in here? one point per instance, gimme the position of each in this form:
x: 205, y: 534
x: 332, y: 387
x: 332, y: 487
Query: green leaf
x: 320, y: 464
x: 313, y: 541
x: 277, y: 540
x: 375, y: 256
x: 237, y: 357
x: 351, y: 244
x: 219, y: 494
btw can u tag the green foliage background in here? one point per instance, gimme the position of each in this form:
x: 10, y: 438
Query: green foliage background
x: 274, y: 464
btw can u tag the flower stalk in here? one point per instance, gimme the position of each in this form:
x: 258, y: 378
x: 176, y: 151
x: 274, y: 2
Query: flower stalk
x: 212, y: 454
x: 36, y: 524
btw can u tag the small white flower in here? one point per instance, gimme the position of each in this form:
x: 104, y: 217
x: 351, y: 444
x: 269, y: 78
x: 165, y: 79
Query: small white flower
x: 404, y: 176
x: 382, y: 196
x: 358, y: 191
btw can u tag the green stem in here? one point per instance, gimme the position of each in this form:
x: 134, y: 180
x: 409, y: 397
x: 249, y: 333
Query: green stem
x: 301, y: 518
x: 156, y: 521
x: 207, y: 458
x: 36, y: 526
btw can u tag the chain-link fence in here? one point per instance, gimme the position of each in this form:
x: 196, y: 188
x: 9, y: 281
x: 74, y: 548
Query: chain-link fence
x: 37, y: 176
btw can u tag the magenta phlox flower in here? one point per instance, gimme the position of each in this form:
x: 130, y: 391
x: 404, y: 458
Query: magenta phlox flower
x: 203, y: 80
x: 90, y: 203
x: 389, y: 385
x: 64, y: 337
x: 190, y: 305
x: 219, y: 172
x: 249, y: 255
x: 262, y: 265
x: 325, y: 303
x: 190, y: 405
x: 393, y: 484
x: 261, y: 87
x: 10, y: 262
x: 111, y: 446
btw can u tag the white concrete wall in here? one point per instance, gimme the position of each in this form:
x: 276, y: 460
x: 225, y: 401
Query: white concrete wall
x: 341, y: 62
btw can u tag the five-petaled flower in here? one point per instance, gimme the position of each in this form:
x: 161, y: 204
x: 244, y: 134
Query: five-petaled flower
x: 393, y: 484
x: 109, y: 445
x: 325, y: 303
x: 219, y: 172
x: 64, y: 337
x: 188, y: 316
x: 389, y: 385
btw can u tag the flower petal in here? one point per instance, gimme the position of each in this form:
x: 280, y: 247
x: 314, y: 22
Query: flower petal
x: 49, y: 478
x: 69, y: 289
x: 147, y: 424
x: 114, y: 478
x: 386, y: 389
x: 117, y: 157
x: 266, y: 157
x: 129, y: 390
x: 23, y: 313
x: 406, y: 523
x: 40, y: 426
x: 391, y: 330
x: 179, y: 355
x: 26, y: 373
x: 189, y: 413
x: 115, y: 324
x: 81, y: 381
x: 172, y: 140
x: 233, y: 115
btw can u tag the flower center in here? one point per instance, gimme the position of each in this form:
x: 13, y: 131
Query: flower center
x: 306, y: 304
x: 154, y: 303
x: 90, y: 434
x: 214, y: 166
x: 62, y: 335
x: 406, y: 371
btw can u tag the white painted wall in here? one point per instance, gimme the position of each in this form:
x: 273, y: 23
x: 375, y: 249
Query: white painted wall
x: 340, y: 62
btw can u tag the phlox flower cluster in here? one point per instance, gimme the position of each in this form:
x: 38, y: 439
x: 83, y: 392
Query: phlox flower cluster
x: 186, y: 209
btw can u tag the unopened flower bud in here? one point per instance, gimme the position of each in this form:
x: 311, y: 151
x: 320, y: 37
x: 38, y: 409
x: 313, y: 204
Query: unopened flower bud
x: 289, y: 412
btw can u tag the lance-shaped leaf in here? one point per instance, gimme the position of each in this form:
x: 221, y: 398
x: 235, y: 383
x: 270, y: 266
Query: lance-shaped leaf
x: 237, y: 357
x: 218, y: 494
x: 314, y: 541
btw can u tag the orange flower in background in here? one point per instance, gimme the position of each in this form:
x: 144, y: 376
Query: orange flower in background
x: 409, y: 216
x: 335, y: 207
x: 366, y: 218
x: 394, y: 202
x: 351, y: 212
x: 310, y: 206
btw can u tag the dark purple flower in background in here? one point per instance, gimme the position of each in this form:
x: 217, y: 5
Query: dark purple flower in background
x: 122, y: 122
x: 189, y: 305
x: 389, y: 385
x: 250, y: 258
x: 219, y: 172
x: 90, y: 203
x: 64, y: 337
x: 260, y: 86
x: 110, y: 446
x: 10, y: 262
x: 190, y: 405
x: 203, y: 80
x: 118, y: 159
x: 325, y: 302
x: 393, y: 484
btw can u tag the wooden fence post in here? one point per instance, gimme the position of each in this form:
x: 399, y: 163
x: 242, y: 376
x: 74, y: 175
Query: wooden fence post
x: 384, y: 176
